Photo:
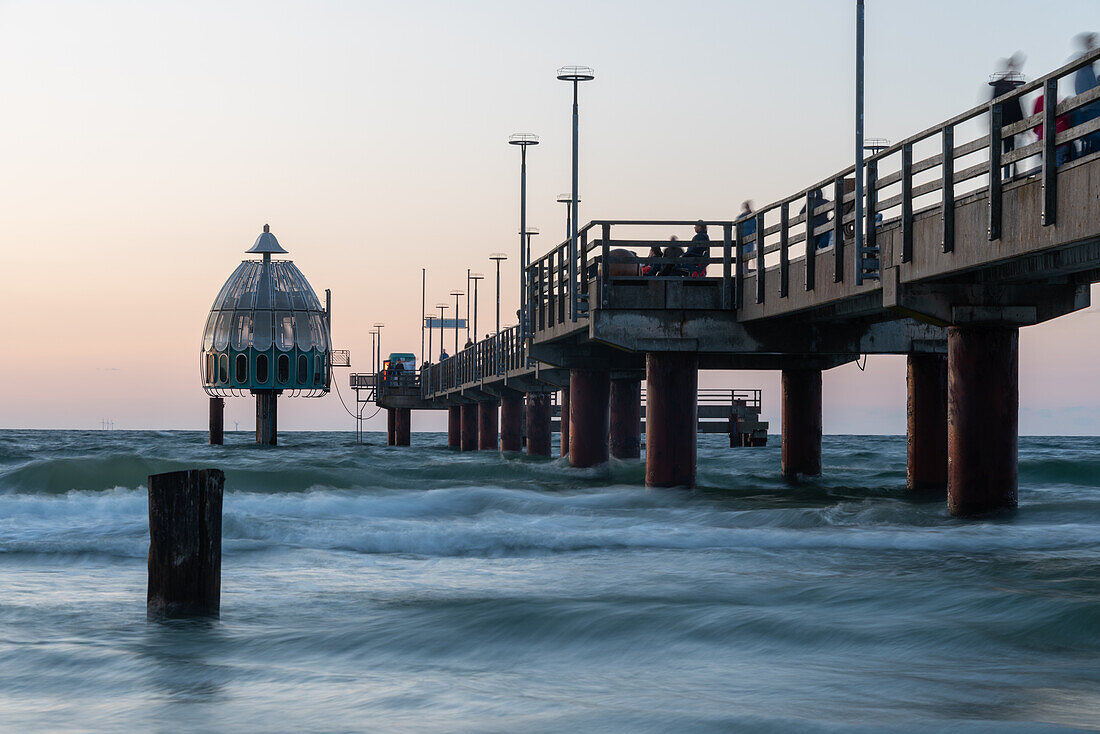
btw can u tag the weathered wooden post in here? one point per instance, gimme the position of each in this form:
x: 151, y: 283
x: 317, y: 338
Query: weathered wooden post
x: 185, y: 543
x: 267, y: 421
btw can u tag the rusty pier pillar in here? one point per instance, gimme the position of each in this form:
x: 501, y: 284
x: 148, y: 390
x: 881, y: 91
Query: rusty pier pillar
x: 511, y: 422
x: 801, y: 448
x: 487, y: 425
x: 926, y: 422
x: 671, y: 418
x: 468, y: 429
x: 454, y: 426
x: 588, y: 416
x: 626, y: 418
x: 983, y: 407
x: 217, y: 421
x: 538, y: 424
x: 267, y: 417
x: 391, y: 426
x: 402, y: 427
x: 563, y: 423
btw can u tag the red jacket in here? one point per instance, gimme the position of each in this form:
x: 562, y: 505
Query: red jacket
x: 1061, y: 123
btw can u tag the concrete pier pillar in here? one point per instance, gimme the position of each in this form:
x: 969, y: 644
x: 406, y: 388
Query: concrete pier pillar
x: 391, y: 426
x: 217, y: 421
x: 511, y: 422
x: 538, y: 424
x: 468, y: 430
x: 402, y: 427
x: 563, y: 431
x: 672, y: 414
x: 487, y: 426
x: 626, y: 419
x: 983, y: 403
x: 589, y: 392
x: 454, y: 426
x: 267, y: 417
x: 801, y: 450
x: 926, y: 422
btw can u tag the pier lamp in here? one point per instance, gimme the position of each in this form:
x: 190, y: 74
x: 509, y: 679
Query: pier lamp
x: 574, y: 75
x: 457, y: 294
x: 373, y: 353
x: 467, y: 305
x: 524, y: 141
x: 442, y: 307
x: 379, y: 326
x: 474, y: 278
x: 497, y: 257
x: 567, y: 199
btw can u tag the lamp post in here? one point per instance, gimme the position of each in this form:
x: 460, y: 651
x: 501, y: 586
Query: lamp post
x: 567, y: 199
x: 457, y: 294
x: 442, y: 349
x: 523, y: 140
x: 497, y: 256
x: 373, y: 369
x: 474, y: 278
x: 379, y: 326
x: 574, y: 75
x: 859, y: 144
x: 468, y: 306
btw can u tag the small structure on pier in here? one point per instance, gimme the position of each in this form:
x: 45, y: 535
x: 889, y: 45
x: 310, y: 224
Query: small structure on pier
x: 266, y: 334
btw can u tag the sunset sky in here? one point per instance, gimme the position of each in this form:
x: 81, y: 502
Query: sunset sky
x: 146, y: 143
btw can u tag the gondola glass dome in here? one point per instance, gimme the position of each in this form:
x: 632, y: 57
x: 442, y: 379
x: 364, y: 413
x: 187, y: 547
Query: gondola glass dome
x: 266, y: 330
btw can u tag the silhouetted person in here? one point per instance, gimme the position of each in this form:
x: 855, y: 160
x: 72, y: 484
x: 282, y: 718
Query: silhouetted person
x: 700, y: 248
x: 823, y: 236
x: 469, y: 342
x: 674, y: 253
x: 1084, y: 79
x: 1003, y: 82
x: 652, y: 269
x: 443, y: 355
x: 748, y: 229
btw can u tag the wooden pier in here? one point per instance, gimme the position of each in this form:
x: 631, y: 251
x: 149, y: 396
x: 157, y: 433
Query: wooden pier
x: 956, y: 258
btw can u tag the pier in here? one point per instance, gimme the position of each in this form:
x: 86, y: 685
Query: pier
x: 955, y: 258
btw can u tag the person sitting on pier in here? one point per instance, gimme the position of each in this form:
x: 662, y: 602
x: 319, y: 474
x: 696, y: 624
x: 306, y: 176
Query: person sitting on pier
x: 699, y: 250
x: 674, y: 269
x: 653, y: 269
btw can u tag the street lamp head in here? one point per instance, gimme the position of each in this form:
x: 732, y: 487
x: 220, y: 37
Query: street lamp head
x: 442, y: 305
x: 477, y: 276
x: 576, y: 74
x: 458, y: 293
x: 531, y: 231
x: 567, y: 199
x: 378, y: 326
x: 498, y: 256
x: 523, y: 139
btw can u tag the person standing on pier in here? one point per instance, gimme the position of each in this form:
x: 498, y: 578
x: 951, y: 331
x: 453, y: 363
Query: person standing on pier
x: 1012, y: 111
x: 748, y: 229
x: 1084, y: 79
x: 700, y: 248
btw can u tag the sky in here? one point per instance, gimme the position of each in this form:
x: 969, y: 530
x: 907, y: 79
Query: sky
x: 145, y: 144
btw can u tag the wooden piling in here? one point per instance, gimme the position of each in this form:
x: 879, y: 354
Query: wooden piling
x: 185, y: 543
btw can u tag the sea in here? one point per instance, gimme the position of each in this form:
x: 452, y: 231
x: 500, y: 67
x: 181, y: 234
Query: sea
x: 376, y: 589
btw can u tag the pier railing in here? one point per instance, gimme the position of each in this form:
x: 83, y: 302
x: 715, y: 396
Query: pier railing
x: 497, y: 355
x: 927, y: 172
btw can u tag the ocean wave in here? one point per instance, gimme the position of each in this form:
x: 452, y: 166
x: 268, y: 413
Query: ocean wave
x: 496, y: 521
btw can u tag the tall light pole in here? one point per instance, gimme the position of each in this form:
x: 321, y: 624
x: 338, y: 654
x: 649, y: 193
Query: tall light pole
x: 474, y: 278
x: 423, y: 294
x: 523, y: 140
x: 574, y: 75
x: 498, y: 256
x: 373, y: 368
x: 379, y: 326
x: 859, y: 144
x: 468, y: 306
x: 457, y: 294
x: 442, y: 349
x: 567, y: 199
